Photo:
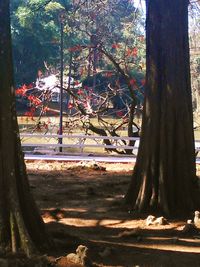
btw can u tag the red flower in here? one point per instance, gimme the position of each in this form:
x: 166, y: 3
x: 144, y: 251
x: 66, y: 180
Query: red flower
x: 70, y: 105
x: 76, y: 83
x: 32, y: 110
x: 75, y: 48
x: 79, y: 92
x: 133, y: 82
x: 29, y: 86
x: 34, y: 100
x: 143, y: 82
x: 132, y: 52
x: 109, y: 74
x: 116, y: 46
x: 119, y: 113
x: 22, y: 90
x: 45, y: 109
x: 135, y: 51
x: 30, y: 113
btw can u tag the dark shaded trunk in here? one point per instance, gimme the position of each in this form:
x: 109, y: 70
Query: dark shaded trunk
x: 21, y: 227
x: 164, y: 176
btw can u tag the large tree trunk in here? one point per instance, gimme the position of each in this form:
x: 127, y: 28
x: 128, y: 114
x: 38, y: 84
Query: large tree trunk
x: 21, y: 227
x: 164, y: 176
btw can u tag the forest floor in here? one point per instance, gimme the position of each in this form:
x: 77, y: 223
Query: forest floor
x: 82, y: 204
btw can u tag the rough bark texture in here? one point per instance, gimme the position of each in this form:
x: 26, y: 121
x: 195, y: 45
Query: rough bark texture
x: 21, y: 227
x: 164, y: 175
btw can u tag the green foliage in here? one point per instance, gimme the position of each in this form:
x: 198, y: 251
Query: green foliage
x: 36, y: 33
x: 54, y: 7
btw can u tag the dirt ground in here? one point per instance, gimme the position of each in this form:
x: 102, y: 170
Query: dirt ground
x: 82, y: 204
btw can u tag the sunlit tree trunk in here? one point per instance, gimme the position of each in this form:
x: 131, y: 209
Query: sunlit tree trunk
x: 164, y: 176
x: 21, y: 227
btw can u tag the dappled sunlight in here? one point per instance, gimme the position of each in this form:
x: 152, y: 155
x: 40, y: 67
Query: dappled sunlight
x: 34, y: 166
x: 157, y: 246
x: 86, y: 205
x: 79, y: 222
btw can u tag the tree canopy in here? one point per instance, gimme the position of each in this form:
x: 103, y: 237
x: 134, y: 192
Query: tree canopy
x: 36, y: 31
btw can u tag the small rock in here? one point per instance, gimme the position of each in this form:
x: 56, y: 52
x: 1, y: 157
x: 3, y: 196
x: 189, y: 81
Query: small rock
x: 98, y: 167
x: 160, y: 221
x: 150, y: 220
x: 197, y: 218
x: 74, y: 258
x: 80, y: 257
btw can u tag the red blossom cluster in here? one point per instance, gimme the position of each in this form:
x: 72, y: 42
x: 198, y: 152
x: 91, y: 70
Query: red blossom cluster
x: 45, y: 109
x: 132, y: 52
x: 23, y: 89
x: 76, y: 83
x: 109, y: 74
x: 30, y: 113
x: 70, y: 105
x: 143, y: 81
x: 119, y: 113
x: 133, y: 82
x: 75, y: 48
x: 116, y: 46
x: 34, y: 100
x: 80, y: 92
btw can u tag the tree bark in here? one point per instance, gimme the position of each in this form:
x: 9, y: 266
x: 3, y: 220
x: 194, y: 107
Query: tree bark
x: 21, y: 227
x: 164, y: 176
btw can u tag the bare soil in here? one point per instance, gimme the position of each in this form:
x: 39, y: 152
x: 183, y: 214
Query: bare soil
x: 83, y: 205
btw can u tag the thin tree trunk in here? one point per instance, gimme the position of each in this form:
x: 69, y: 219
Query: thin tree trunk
x: 164, y: 175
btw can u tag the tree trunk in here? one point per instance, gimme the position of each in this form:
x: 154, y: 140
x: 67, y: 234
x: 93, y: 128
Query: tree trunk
x: 164, y: 176
x: 21, y: 227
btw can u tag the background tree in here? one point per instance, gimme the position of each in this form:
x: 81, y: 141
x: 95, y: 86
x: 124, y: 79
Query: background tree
x: 194, y: 27
x: 21, y: 225
x: 164, y: 175
x: 36, y: 36
x: 107, y: 64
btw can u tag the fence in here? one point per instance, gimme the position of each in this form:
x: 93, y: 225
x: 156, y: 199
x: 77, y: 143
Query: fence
x: 51, y: 142
x: 48, y: 144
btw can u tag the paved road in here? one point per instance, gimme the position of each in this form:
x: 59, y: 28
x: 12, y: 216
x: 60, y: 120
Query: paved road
x: 117, y: 159
x: 81, y: 158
